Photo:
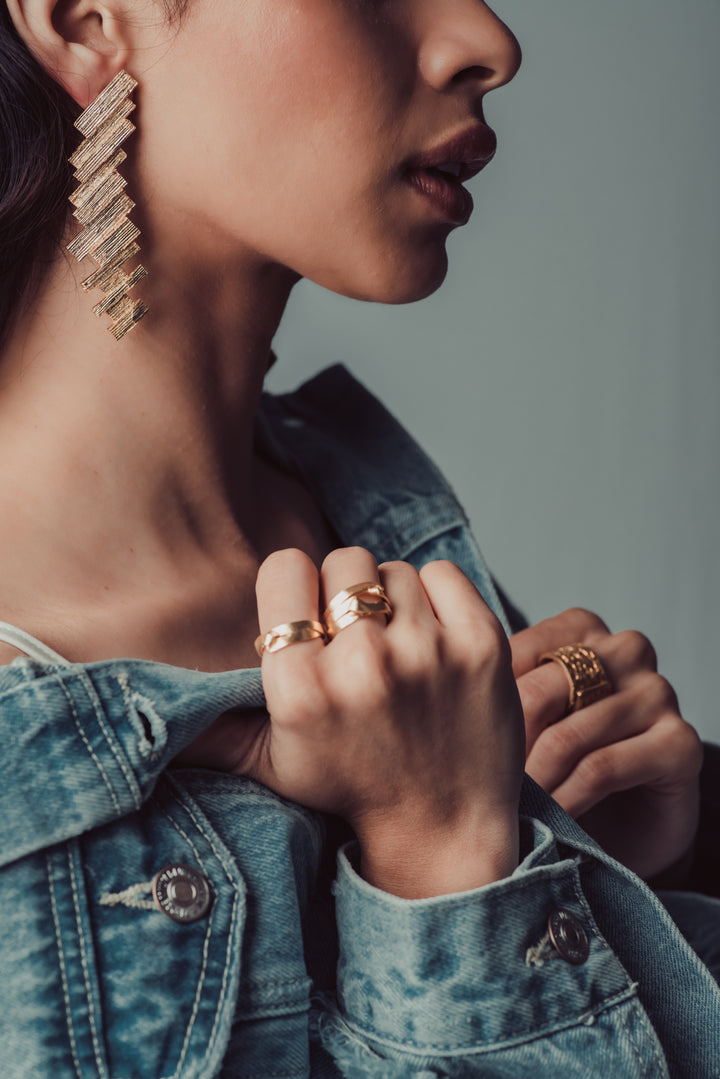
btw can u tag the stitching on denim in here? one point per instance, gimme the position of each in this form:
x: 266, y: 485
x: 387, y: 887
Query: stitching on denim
x: 63, y: 969
x: 178, y: 828
x: 208, y: 836
x: 86, y: 743
x: 265, y: 1075
x: 206, y: 948
x: 226, y: 971
x: 493, y: 1044
x: 273, y: 984
x: 132, y: 700
x: 651, y: 1034
x: 119, y: 756
x: 594, y: 927
x: 129, y: 897
x: 277, y: 1075
x: 631, y: 1038
x: 267, y: 1011
x: 542, y: 951
x: 86, y: 970
x: 226, y: 974
x: 198, y: 995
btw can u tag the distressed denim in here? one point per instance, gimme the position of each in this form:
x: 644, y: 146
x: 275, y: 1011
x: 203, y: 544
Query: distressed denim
x: 300, y: 967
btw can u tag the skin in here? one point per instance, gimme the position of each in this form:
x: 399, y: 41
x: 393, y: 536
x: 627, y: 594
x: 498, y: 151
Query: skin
x: 135, y: 517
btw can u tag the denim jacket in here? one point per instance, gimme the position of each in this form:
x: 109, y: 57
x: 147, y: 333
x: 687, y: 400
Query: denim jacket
x: 168, y: 923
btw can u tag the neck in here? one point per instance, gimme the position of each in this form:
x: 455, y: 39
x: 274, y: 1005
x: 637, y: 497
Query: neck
x: 133, y: 460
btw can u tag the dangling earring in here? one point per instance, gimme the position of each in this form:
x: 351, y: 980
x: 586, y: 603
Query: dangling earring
x: 102, y: 206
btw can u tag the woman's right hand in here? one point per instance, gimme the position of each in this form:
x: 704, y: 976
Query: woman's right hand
x: 411, y: 731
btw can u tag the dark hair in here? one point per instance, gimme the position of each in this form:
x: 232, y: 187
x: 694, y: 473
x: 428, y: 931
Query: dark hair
x: 36, y: 138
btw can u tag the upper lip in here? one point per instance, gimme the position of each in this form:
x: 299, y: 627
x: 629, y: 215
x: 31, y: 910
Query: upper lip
x: 473, y: 148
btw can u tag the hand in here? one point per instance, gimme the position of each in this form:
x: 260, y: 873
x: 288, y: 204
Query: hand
x: 411, y: 731
x: 625, y: 767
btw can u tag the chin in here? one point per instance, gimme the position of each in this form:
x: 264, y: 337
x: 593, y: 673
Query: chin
x: 399, y: 281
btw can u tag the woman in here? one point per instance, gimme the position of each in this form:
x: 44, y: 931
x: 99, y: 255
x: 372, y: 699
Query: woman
x: 172, y: 820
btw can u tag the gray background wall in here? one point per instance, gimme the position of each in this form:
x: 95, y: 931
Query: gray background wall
x: 566, y: 377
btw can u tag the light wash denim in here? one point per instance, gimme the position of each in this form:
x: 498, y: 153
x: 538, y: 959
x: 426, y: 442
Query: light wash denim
x: 290, y: 974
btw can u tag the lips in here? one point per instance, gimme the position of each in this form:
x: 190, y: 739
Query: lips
x: 471, y: 150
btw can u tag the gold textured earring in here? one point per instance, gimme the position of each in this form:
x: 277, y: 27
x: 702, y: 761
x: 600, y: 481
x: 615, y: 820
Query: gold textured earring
x: 102, y: 206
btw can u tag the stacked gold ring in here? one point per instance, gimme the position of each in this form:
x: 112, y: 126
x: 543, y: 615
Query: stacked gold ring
x: 351, y: 604
x: 288, y: 633
x: 584, y: 672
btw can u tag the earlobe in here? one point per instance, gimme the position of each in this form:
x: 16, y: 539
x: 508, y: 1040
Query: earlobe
x: 78, y: 42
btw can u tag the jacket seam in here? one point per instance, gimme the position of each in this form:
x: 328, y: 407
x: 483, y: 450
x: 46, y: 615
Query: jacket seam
x: 130, y: 778
x: 494, y: 1044
x: 96, y: 760
x: 230, y: 937
x: 86, y: 970
x: 651, y: 1034
x: 206, y: 948
x: 634, y: 1046
x: 63, y: 969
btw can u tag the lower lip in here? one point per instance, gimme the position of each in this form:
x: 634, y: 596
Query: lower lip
x: 446, y: 193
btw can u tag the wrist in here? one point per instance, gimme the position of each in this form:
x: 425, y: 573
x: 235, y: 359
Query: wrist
x: 415, y: 862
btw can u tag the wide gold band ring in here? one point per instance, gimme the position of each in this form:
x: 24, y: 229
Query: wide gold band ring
x: 288, y: 633
x: 585, y: 674
x: 351, y: 604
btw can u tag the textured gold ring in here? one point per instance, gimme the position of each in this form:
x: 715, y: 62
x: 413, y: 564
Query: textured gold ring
x: 288, y: 633
x: 585, y: 674
x: 351, y: 604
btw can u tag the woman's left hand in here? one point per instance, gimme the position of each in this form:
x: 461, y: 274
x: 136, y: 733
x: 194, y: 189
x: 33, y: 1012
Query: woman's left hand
x: 625, y: 767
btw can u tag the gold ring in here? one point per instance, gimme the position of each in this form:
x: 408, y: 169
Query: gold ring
x: 288, y: 633
x: 351, y: 604
x: 585, y: 673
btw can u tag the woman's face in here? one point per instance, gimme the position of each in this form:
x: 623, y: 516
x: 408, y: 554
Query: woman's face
x: 309, y: 132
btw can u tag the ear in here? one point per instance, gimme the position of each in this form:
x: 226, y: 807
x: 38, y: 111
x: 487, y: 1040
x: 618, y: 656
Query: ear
x: 82, y: 44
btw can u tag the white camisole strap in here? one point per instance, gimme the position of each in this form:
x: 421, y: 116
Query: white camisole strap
x: 31, y: 646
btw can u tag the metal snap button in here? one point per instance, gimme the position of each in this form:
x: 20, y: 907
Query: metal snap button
x: 568, y: 937
x: 181, y: 892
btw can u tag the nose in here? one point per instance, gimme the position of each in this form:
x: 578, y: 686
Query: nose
x: 464, y: 38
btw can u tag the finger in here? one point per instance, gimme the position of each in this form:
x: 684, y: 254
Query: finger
x: 458, y: 605
x: 544, y: 692
x: 558, y: 750
x: 627, y: 658
x: 406, y: 592
x: 345, y: 567
x: 650, y: 759
x: 575, y: 624
x: 544, y: 695
x: 287, y: 591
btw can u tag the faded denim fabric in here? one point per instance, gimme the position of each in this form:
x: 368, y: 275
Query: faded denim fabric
x: 290, y: 975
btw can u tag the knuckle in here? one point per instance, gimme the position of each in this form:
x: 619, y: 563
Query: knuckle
x: 596, y: 773
x: 660, y: 694
x: 344, y: 554
x: 366, y: 664
x: 280, y: 564
x: 482, y: 644
x: 686, y: 746
x: 298, y: 700
x: 423, y: 655
x: 534, y: 697
x: 396, y: 571
x: 582, y: 617
x: 561, y: 741
x: 638, y: 648
x: 439, y: 565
